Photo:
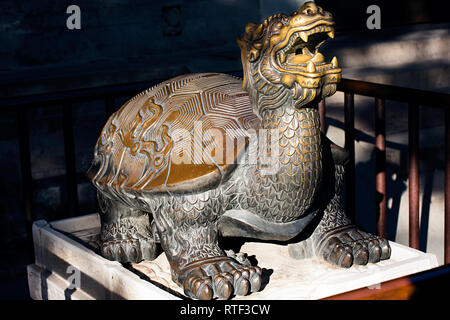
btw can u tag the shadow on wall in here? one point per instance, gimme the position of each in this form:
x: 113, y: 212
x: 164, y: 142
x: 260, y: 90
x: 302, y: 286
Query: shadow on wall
x: 367, y: 198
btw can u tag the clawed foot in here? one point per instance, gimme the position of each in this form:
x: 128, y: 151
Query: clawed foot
x: 348, y: 245
x: 129, y: 250
x: 219, y: 277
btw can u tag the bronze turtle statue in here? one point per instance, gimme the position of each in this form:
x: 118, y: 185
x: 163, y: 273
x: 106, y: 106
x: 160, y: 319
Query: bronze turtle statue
x: 203, y: 156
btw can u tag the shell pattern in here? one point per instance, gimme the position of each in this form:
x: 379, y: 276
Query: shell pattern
x: 173, y: 137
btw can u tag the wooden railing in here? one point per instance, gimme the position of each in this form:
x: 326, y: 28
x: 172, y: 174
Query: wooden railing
x: 379, y: 92
x: 418, y: 286
x: 67, y: 99
x: 414, y: 98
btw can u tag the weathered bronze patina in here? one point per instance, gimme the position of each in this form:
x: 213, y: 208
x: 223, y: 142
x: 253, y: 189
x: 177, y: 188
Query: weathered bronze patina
x: 203, y: 155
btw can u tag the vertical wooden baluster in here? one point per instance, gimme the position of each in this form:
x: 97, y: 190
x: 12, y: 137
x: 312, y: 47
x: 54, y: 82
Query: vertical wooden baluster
x: 380, y: 156
x: 26, y: 175
x: 323, y: 124
x: 349, y: 125
x: 69, y: 153
x: 447, y: 186
x: 413, y: 137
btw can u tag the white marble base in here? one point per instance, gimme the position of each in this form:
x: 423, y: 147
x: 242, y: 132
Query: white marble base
x: 287, y: 278
x: 310, y: 278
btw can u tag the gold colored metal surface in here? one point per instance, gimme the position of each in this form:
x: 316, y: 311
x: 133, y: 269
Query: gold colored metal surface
x: 175, y: 135
x: 288, y: 47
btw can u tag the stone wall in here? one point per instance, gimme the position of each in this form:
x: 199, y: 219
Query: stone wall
x: 122, y: 41
x: 130, y: 38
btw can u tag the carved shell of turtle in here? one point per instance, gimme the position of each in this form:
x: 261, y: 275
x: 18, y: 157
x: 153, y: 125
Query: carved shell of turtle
x: 173, y: 137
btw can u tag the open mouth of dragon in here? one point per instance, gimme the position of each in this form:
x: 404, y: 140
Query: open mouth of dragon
x: 301, y: 53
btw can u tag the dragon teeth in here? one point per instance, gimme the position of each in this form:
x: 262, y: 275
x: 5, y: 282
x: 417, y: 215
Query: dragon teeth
x: 304, y: 36
x: 334, y: 62
x: 306, y: 51
x: 319, y: 29
x: 310, y: 67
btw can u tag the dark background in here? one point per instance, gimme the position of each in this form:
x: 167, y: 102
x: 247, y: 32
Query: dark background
x: 126, y: 41
x: 117, y: 36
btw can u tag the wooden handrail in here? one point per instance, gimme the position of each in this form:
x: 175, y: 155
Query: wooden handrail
x: 382, y: 91
x: 395, y: 93
x: 420, y: 285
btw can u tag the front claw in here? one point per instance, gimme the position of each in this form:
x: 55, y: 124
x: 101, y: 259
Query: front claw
x: 348, y: 245
x: 198, y: 286
x: 129, y: 250
x: 219, y: 277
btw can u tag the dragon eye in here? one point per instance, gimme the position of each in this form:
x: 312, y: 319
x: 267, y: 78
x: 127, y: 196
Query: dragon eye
x: 258, y: 45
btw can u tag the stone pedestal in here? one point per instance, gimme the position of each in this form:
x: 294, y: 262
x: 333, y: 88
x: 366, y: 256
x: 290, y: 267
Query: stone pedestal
x: 72, y: 242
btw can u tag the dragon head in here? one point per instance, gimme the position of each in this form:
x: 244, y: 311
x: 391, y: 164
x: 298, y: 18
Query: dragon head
x: 282, y: 52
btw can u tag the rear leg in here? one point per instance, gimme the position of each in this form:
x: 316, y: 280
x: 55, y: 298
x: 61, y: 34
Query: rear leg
x: 126, y: 234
